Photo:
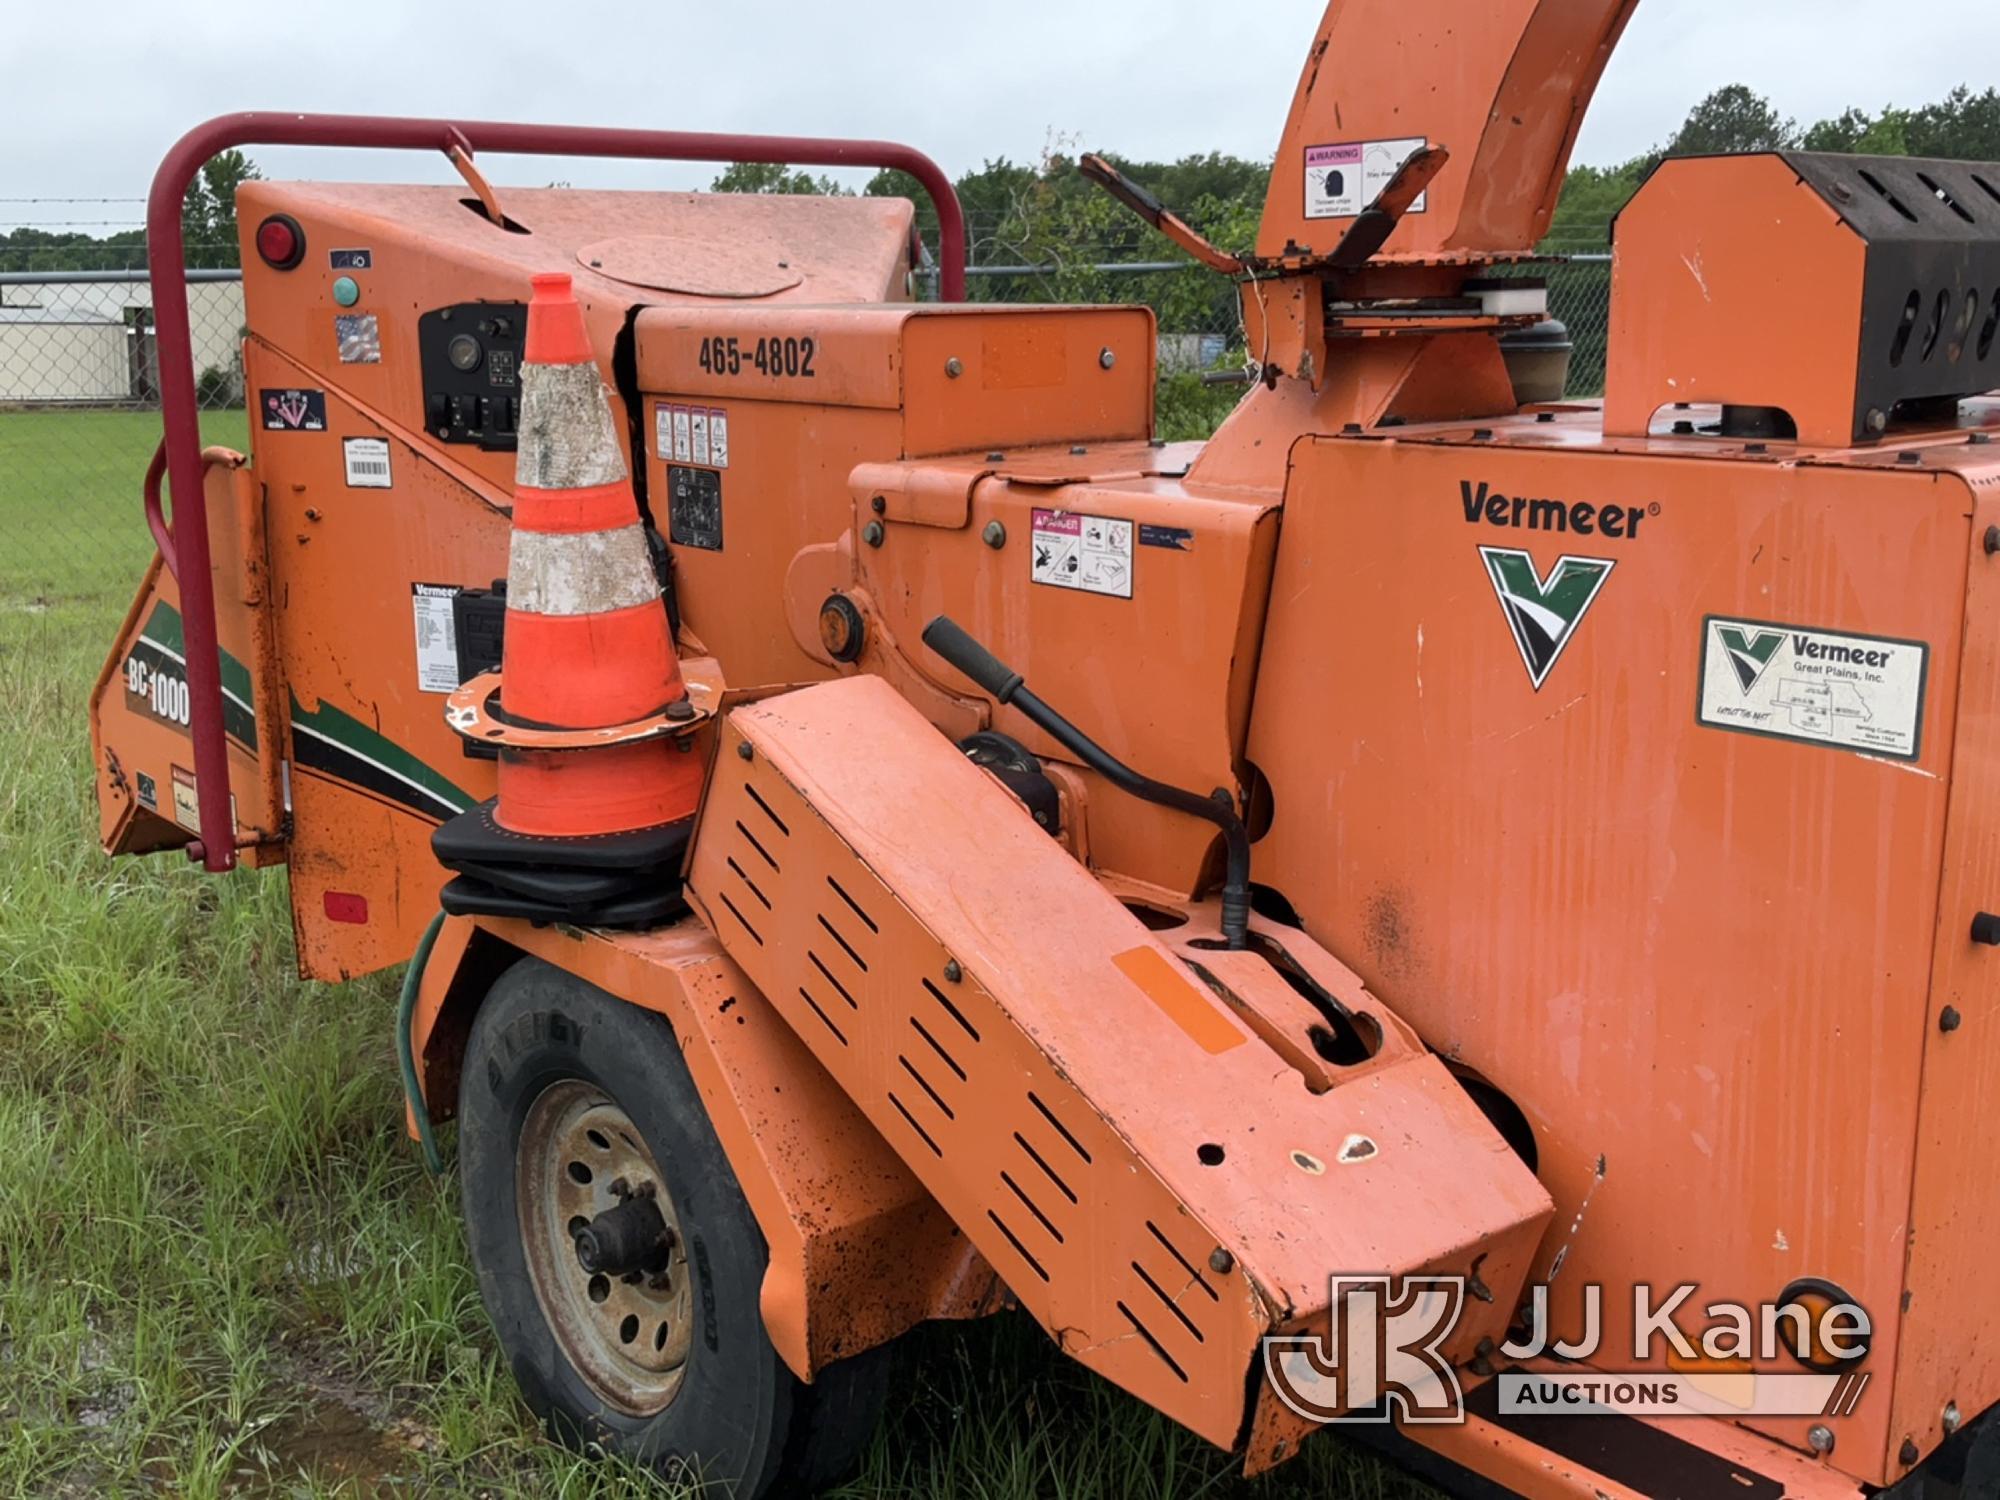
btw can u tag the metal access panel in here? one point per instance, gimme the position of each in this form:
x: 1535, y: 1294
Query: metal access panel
x: 1850, y: 292
x: 1154, y: 1183
x: 1673, y: 833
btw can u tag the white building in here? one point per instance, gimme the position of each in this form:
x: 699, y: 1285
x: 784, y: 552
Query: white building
x: 90, y: 342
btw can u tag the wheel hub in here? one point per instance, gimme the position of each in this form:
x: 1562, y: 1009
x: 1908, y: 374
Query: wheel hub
x: 631, y: 1237
x: 603, y: 1247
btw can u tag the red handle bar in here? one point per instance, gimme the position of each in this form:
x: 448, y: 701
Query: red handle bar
x: 185, y: 548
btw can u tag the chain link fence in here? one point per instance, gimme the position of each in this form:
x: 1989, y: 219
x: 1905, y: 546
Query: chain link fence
x: 79, y: 386
x: 79, y: 417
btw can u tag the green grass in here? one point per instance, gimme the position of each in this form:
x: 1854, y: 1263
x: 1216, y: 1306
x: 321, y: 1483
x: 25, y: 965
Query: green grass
x: 71, y: 517
x: 222, y: 1269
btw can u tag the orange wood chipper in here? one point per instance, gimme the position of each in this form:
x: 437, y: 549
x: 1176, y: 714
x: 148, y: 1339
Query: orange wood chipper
x: 1467, y: 920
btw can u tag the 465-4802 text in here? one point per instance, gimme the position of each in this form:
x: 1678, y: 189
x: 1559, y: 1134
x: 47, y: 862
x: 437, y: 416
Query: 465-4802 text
x: 774, y: 357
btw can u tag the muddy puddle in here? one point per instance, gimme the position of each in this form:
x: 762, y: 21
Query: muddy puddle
x: 337, y: 1446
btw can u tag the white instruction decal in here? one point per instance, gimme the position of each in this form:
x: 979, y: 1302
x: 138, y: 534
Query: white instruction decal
x: 187, y: 805
x: 1074, y: 551
x: 367, y: 462
x: 437, y: 637
x: 1820, y: 687
x: 691, y: 435
x: 1343, y: 180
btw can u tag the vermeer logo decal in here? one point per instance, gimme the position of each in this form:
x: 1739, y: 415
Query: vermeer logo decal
x: 1611, y: 519
x: 1749, y: 651
x: 1543, y: 613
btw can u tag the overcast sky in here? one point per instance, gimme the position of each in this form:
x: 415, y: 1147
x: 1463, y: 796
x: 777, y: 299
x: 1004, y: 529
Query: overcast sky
x: 93, y: 102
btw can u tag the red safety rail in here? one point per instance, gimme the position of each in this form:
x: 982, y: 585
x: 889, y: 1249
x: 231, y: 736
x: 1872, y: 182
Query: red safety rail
x: 185, y: 547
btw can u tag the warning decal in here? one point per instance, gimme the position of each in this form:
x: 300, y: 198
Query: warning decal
x: 187, y: 806
x: 692, y: 435
x: 437, y: 636
x: 1820, y: 687
x: 1073, y: 551
x: 694, y: 508
x: 293, y: 409
x: 1343, y: 180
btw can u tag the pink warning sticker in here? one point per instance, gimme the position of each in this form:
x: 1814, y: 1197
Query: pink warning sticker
x: 1333, y: 181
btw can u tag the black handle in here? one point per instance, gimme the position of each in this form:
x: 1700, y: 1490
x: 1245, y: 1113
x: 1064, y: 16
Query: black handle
x: 1986, y: 929
x: 999, y: 680
x: 944, y: 637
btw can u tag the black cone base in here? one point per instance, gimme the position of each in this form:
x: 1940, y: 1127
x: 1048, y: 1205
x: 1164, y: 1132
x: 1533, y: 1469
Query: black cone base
x: 601, y: 880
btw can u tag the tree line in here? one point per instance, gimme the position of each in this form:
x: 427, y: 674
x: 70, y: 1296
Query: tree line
x: 1044, y: 216
x: 208, y: 230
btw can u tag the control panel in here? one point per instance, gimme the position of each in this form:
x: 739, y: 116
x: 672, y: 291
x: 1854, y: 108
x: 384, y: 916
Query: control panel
x: 471, y: 359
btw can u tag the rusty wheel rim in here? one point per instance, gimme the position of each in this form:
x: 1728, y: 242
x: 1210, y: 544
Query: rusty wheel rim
x: 628, y: 1336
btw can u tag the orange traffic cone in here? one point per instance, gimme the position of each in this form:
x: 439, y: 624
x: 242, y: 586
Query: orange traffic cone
x: 587, y: 643
x: 598, y: 780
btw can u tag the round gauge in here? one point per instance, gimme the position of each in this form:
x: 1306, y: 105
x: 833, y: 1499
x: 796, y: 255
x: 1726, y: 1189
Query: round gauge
x: 464, y: 352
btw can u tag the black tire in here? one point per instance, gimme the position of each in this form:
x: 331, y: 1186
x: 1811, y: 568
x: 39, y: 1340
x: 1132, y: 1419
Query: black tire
x: 740, y: 1419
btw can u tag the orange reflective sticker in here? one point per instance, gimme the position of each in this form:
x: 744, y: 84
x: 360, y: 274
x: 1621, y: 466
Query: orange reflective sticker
x: 1185, y: 1005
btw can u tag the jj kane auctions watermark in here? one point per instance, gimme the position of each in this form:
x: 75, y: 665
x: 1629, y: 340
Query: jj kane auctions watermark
x: 1383, y: 1359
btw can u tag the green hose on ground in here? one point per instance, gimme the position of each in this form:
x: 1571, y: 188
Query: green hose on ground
x: 406, y: 1010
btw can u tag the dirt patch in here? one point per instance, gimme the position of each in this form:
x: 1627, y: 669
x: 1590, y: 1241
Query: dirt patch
x: 342, y: 1434
x: 336, y: 1446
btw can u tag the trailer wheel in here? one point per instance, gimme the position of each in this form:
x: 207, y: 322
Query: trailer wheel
x: 618, y: 1260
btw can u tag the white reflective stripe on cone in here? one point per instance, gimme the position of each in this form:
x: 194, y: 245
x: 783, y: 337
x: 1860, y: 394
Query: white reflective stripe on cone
x: 567, y: 439
x: 579, y: 573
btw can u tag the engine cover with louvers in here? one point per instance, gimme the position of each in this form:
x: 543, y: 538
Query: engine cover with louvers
x: 1156, y: 1185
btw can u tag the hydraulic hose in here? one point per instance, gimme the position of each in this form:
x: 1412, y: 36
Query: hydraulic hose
x: 944, y: 636
x: 406, y: 1011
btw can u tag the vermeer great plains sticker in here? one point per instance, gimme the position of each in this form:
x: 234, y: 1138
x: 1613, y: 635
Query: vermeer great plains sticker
x: 1819, y: 687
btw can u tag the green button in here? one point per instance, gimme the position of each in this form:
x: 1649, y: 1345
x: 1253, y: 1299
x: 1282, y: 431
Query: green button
x: 346, y: 291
